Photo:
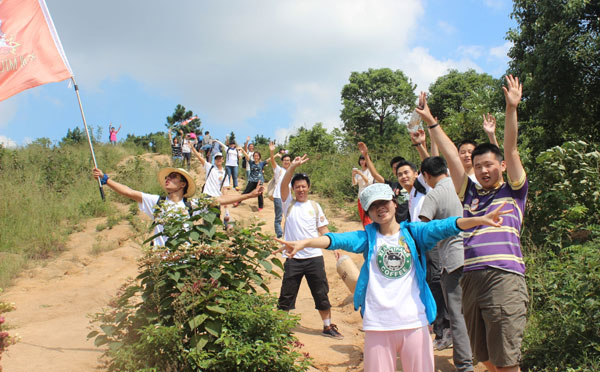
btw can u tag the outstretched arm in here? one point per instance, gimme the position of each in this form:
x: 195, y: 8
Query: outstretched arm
x: 198, y: 156
x: 447, y: 147
x: 362, y: 147
x: 494, y: 218
x: 512, y: 94
x: 293, y: 247
x: 489, y: 127
x: 234, y: 198
x: 419, y: 141
x: 289, y: 174
x: 245, y: 154
x: 121, y: 189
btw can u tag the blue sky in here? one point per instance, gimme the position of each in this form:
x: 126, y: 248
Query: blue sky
x: 265, y: 67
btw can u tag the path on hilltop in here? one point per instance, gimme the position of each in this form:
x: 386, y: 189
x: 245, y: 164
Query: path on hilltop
x: 54, y: 300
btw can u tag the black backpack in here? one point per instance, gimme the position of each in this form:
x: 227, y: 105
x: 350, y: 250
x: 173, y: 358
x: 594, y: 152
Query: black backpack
x: 187, y: 203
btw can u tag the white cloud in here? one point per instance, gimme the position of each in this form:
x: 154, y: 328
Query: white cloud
x: 447, y: 27
x: 501, y: 52
x: 495, y: 4
x: 26, y: 141
x: 7, y: 142
x: 471, y: 51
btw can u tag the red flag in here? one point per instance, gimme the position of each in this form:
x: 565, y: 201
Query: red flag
x: 30, y: 51
x: 185, y: 122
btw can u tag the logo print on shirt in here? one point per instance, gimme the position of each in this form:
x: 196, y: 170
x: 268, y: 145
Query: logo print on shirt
x: 394, y: 262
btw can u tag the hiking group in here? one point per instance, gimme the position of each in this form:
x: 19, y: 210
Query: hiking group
x: 441, y: 246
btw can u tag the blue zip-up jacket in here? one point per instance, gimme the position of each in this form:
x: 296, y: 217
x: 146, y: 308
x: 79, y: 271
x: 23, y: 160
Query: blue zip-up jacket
x: 419, y: 236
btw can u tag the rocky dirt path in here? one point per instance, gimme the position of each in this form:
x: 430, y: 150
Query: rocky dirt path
x: 54, y: 300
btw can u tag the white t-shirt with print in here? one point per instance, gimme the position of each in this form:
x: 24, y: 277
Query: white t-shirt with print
x: 186, y: 146
x: 232, y: 157
x: 392, y: 301
x: 361, y: 182
x: 278, y: 174
x: 212, y: 187
x: 416, y: 199
x: 301, y: 223
x: 148, y: 206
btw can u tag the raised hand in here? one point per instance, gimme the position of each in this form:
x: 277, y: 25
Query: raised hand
x: 362, y: 147
x: 272, y: 146
x: 513, y: 91
x: 290, y: 247
x: 494, y: 218
x: 299, y: 160
x: 418, y: 136
x: 423, y: 110
x: 489, y: 124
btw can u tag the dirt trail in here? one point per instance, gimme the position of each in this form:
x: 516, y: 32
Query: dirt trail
x: 53, y: 301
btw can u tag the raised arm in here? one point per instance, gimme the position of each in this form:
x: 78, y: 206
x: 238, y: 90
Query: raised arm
x: 289, y: 174
x: 246, y: 143
x: 170, y: 137
x: 512, y: 94
x: 198, y: 156
x: 272, y: 158
x: 245, y: 154
x: 119, y: 188
x: 447, y: 147
x: 362, y: 147
x: 489, y: 127
x: 220, y: 143
x: 120, y: 125
x: 419, y: 141
x: 293, y: 247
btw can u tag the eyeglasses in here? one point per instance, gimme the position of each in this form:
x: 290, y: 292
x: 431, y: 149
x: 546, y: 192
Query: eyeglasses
x: 173, y: 175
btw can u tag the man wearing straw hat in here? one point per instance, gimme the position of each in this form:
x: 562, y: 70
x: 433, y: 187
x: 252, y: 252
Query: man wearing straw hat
x: 178, y: 184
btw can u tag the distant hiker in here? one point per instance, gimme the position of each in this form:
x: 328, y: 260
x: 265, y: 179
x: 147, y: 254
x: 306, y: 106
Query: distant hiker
x: 363, y: 178
x: 113, y: 134
x: 206, y: 144
x: 232, y: 155
x: 175, y: 148
x: 249, y: 148
x: 255, y: 176
x: 304, y: 219
x: 278, y: 173
x: 186, y: 147
x: 179, y: 186
x: 393, y: 297
x: 495, y: 294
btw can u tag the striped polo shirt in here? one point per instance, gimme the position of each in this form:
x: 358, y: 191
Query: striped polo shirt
x: 488, y: 246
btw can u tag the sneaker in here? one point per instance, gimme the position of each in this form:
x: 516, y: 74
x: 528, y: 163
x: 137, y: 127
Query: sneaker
x: 332, y: 331
x: 445, y: 342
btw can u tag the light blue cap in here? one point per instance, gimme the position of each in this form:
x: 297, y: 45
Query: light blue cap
x: 374, y: 192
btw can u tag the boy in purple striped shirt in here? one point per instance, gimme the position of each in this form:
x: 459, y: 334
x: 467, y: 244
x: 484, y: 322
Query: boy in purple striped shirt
x: 494, y: 292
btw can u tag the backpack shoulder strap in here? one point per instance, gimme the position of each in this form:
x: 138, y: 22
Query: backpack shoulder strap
x: 316, y: 208
x: 188, y: 206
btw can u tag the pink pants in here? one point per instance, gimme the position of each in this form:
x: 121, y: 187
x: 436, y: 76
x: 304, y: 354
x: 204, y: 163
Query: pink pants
x: 414, y: 346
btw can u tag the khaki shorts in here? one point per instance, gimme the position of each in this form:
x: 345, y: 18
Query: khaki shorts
x: 495, y: 306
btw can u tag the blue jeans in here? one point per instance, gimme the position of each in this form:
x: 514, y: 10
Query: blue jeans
x: 278, y: 216
x: 232, y: 171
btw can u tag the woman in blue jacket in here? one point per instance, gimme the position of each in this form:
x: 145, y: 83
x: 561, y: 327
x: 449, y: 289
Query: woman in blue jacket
x: 394, y: 300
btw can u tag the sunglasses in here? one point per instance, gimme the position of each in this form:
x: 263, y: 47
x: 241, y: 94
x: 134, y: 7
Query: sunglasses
x: 173, y: 175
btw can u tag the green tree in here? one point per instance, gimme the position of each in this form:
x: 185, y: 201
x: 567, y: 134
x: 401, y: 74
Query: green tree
x: 74, y: 136
x: 556, y: 51
x: 459, y: 99
x: 315, y: 140
x: 260, y: 140
x: 372, y: 102
x: 179, y: 115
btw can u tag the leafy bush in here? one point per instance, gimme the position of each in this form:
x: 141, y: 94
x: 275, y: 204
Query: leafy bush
x: 196, y: 306
x: 562, y: 332
x: 565, y: 195
x: 5, y: 339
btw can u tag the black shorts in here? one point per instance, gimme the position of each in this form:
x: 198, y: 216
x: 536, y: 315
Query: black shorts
x: 314, y: 270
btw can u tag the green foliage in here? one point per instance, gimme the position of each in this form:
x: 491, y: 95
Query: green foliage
x: 154, y: 142
x: 562, y: 332
x: 75, y: 136
x: 565, y: 195
x: 372, y: 102
x: 260, y: 140
x: 46, y: 192
x: 196, y: 307
x: 556, y: 51
x: 315, y: 140
x: 459, y: 99
x: 180, y: 114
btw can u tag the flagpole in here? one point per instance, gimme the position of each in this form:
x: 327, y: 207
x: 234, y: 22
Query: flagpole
x: 88, y: 135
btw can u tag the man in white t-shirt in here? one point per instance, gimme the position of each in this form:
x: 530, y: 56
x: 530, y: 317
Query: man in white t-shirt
x: 179, y: 185
x: 278, y: 173
x: 304, y: 219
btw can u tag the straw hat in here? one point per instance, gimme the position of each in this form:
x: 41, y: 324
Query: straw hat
x: 191, y: 184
